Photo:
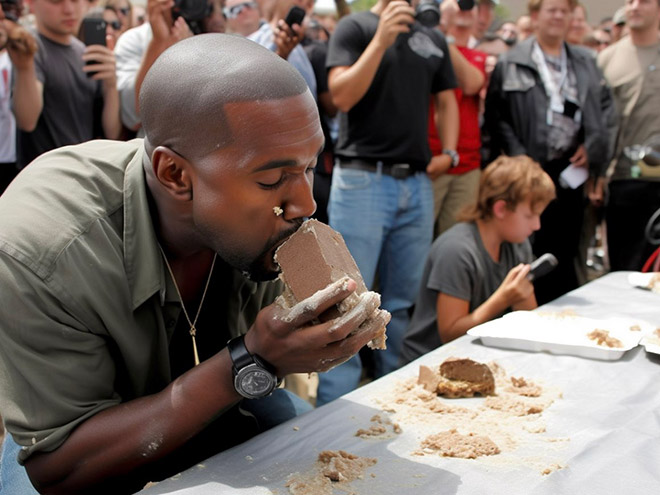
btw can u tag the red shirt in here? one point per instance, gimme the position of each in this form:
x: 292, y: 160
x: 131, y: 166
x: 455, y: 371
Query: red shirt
x: 469, y: 135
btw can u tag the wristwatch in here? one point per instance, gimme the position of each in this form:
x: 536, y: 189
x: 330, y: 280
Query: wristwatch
x: 453, y: 155
x: 253, y: 376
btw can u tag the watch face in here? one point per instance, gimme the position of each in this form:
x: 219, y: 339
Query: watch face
x: 254, y: 382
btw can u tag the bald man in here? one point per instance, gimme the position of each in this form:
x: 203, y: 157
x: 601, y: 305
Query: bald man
x: 122, y: 263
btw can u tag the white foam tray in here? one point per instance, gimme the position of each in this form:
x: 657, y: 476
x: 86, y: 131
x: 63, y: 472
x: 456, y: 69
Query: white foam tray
x: 558, y: 333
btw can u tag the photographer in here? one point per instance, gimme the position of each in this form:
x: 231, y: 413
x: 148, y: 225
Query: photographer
x: 56, y: 88
x: 170, y: 21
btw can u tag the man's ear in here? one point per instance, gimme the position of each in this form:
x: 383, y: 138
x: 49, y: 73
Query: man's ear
x: 173, y: 172
x: 500, y: 209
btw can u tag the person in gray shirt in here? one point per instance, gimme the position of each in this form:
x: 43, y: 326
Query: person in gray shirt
x: 55, y: 93
x: 478, y: 269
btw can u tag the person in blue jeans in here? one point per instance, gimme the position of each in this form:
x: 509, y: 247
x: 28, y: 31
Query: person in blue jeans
x: 383, y: 67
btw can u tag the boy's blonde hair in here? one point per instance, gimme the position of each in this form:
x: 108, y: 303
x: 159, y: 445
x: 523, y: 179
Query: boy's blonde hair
x: 535, y: 5
x: 514, y: 179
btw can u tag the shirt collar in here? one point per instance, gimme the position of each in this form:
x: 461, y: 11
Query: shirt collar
x: 142, y: 259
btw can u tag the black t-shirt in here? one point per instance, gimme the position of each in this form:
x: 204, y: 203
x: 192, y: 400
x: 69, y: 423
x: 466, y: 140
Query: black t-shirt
x: 390, y: 121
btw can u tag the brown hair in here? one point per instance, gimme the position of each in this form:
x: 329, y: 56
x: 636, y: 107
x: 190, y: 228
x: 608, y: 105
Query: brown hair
x: 535, y: 5
x: 513, y: 179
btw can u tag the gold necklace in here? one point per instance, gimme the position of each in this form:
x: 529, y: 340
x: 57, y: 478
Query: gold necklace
x: 193, y: 330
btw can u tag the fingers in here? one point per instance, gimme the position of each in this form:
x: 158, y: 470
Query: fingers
x: 313, y: 306
x: 368, y: 302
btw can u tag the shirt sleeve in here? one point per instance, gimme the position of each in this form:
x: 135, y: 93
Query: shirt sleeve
x: 54, y: 372
x: 128, y: 54
x: 451, y: 270
x: 345, y: 46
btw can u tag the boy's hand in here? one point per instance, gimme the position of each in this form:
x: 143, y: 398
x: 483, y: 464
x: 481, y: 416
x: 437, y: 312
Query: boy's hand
x: 515, y: 287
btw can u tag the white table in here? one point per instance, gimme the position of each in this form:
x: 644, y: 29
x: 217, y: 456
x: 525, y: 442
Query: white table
x: 610, y: 411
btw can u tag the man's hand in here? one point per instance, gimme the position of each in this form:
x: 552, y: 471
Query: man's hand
x: 286, y: 38
x: 293, y: 341
x: 21, y: 45
x: 579, y: 159
x: 596, y: 191
x: 515, y: 287
x: 438, y: 166
x: 396, y: 18
x: 102, y: 62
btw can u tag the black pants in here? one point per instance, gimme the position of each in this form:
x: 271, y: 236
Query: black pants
x: 630, y: 204
x: 561, y: 223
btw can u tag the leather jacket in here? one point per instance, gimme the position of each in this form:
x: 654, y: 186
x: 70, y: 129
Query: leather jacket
x: 516, y: 107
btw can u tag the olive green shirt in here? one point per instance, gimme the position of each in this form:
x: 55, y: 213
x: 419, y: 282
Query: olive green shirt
x: 87, y: 308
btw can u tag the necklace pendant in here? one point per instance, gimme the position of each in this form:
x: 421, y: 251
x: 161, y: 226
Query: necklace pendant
x: 194, y: 343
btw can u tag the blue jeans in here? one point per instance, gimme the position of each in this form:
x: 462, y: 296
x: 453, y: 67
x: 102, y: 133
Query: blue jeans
x: 268, y: 412
x: 387, y: 224
x: 13, y: 477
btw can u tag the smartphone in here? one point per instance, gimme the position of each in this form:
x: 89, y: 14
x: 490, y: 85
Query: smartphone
x: 295, y: 16
x: 93, y: 31
x: 542, y: 266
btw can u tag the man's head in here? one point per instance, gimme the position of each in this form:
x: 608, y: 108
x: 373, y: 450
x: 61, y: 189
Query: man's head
x: 525, y: 27
x: 551, y: 18
x: 236, y: 140
x: 515, y: 190
x: 242, y: 16
x: 579, y: 28
x: 485, y: 17
x: 642, y: 15
x: 58, y: 19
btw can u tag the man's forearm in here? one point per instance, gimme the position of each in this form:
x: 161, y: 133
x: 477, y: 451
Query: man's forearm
x: 349, y: 85
x: 111, y: 118
x: 107, y: 449
x: 447, y: 119
x: 28, y: 99
x: 470, y: 79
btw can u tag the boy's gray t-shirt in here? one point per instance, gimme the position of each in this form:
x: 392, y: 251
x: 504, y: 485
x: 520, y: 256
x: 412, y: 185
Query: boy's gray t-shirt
x: 70, y: 98
x: 458, y: 265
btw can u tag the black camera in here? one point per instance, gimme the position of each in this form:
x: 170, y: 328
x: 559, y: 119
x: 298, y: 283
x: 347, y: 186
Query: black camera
x: 12, y: 9
x: 193, y: 11
x: 427, y: 13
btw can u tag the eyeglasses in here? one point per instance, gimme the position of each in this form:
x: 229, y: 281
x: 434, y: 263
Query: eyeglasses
x: 116, y: 25
x: 124, y: 10
x: 235, y: 10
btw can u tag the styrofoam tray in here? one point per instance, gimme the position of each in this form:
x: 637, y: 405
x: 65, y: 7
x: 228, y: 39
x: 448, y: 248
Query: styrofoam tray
x: 645, y: 281
x: 559, y: 334
x: 651, y: 342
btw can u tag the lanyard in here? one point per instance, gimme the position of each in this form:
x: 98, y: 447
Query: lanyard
x: 552, y: 89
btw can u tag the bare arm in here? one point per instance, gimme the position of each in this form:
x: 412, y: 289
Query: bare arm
x: 28, y: 90
x: 470, y: 79
x: 454, y: 318
x: 102, y: 62
x: 112, y: 451
x: 165, y: 34
x: 348, y: 84
x: 447, y: 123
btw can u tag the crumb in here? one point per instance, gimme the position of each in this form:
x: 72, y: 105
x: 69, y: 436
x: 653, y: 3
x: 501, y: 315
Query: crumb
x: 453, y: 444
x: 296, y: 428
x: 277, y: 210
x: 602, y: 337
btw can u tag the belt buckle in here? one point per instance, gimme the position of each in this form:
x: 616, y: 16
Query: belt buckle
x: 400, y: 170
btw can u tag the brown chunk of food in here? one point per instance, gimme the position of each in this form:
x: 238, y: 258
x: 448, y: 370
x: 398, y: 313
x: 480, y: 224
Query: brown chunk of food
x: 458, y: 377
x: 315, y: 257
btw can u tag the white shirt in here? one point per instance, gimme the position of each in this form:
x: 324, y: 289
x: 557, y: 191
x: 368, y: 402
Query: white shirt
x: 7, y: 120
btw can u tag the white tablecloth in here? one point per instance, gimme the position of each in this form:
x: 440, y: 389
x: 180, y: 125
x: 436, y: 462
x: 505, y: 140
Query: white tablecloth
x: 608, y: 419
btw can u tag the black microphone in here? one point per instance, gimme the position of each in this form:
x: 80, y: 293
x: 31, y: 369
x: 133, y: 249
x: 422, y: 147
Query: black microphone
x: 542, y: 266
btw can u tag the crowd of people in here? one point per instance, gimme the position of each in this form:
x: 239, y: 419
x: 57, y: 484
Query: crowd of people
x: 449, y: 147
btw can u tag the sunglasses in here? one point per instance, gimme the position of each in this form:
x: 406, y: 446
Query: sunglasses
x: 116, y: 25
x: 235, y: 10
x: 124, y: 10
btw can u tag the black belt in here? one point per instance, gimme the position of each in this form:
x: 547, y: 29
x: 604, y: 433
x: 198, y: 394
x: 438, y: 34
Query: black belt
x: 396, y: 170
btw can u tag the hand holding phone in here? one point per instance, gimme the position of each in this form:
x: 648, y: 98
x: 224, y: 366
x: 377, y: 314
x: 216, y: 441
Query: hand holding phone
x: 295, y: 16
x: 542, y: 266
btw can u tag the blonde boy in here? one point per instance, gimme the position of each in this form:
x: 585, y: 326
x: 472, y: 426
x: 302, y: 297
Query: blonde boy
x: 478, y: 269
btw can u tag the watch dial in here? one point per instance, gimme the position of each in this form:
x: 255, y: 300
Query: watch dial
x: 256, y: 382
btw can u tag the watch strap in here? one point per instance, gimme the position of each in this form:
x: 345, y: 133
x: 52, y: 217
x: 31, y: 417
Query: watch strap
x: 241, y: 357
x: 453, y: 154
